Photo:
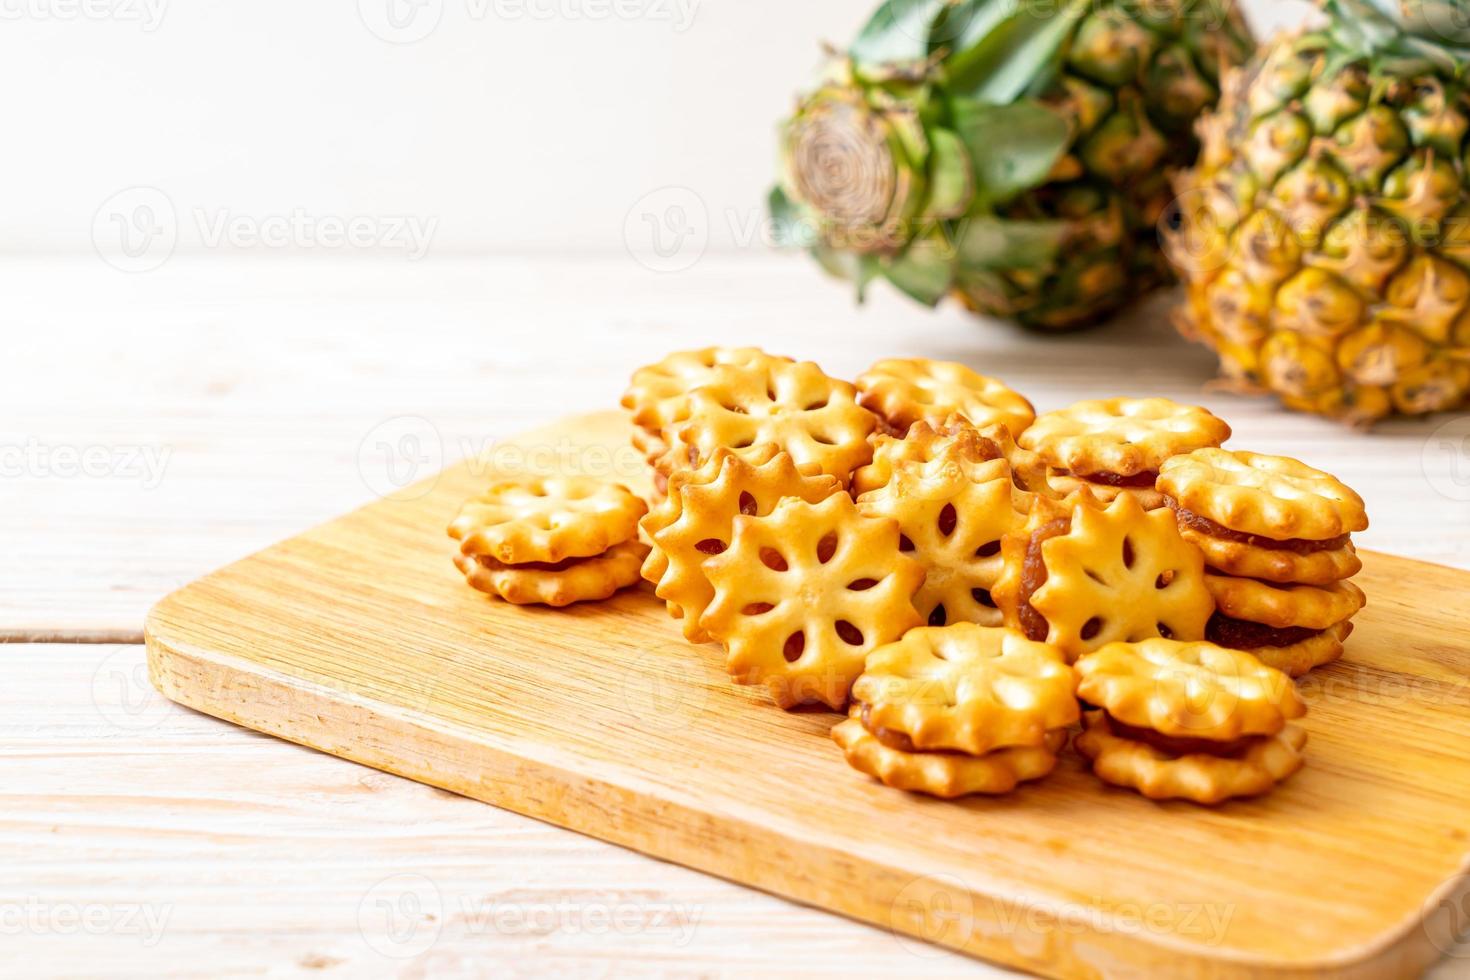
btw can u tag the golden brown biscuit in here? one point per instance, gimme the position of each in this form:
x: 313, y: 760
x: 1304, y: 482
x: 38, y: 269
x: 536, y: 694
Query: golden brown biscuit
x: 1063, y: 484
x: 813, y: 418
x: 547, y: 519
x: 658, y: 395
x: 1276, y: 497
x: 908, y: 390
x: 1252, y: 767
x: 1274, y: 564
x: 1188, y: 690
x: 967, y: 688
x: 803, y: 594
x: 704, y: 506
x: 957, y: 441
x: 945, y: 774
x: 1121, y: 437
x: 953, y: 517
x: 559, y: 584
x: 1080, y: 576
x: 1307, y: 606
x: 1300, y: 658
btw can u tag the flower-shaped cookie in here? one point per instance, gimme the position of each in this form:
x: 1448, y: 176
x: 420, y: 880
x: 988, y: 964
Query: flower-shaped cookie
x: 955, y: 440
x: 560, y: 584
x: 658, y: 395
x: 547, y: 519
x: 1275, y: 497
x: 1285, y: 606
x: 1189, y: 690
x: 1249, y: 768
x: 905, y: 391
x: 1121, y: 437
x: 953, y: 517
x: 1080, y: 577
x: 967, y: 688
x: 804, y: 594
x: 814, y: 418
x: 945, y: 774
x: 697, y: 521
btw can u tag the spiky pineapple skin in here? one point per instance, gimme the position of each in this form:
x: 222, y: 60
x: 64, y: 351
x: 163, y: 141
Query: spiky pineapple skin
x: 1135, y: 80
x: 1324, y: 236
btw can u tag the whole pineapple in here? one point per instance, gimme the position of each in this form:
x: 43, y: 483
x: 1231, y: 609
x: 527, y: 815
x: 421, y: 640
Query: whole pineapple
x: 1012, y: 153
x: 1325, y: 235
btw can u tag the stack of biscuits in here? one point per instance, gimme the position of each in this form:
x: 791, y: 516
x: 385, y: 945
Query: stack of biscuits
x: 550, y: 541
x: 1277, y: 540
x: 1188, y: 721
x: 959, y: 709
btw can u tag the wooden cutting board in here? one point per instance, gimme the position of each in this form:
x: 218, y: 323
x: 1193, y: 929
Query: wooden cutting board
x: 360, y: 639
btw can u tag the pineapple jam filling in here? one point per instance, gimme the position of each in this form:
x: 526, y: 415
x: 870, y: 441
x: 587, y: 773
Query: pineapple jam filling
x: 1300, y: 546
x: 898, y: 741
x: 1137, y: 481
x: 1176, y: 746
x: 1033, y: 577
x: 531, y: 566
x: 1238, y: 634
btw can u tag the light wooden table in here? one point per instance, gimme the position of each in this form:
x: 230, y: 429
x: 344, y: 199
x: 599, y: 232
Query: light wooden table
x: 155, y: 426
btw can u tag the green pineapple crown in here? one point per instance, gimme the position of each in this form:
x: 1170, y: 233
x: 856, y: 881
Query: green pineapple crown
x: 1403, y: 36
x: 1007, y: 151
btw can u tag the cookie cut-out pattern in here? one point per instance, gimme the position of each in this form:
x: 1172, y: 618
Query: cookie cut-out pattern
x: 1123, y: 436
x: 1117, y: 574
x: 908, y: 390
x: 953, y: 518
x: 968, y: 688
x: 804, y: 594
x: 707, y: 504
x: 547, y: 519
x: 813, y: 418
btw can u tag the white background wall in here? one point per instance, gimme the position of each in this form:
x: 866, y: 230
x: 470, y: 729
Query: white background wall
x: 492, y: 125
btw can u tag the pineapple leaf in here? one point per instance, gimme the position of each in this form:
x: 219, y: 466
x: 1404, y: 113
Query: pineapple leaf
x: 790, y: 225
x: 1012, y: 148
x: 1404, y: 36
x: 925, y: 271
x: 1015, y: 56
x: 1000, y: 243
x: 951, y: 181
x: 898, y: 32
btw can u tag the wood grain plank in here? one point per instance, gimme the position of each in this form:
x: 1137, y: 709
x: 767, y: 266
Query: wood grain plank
x: 141, y: 839
x: 359, y: 639
x: 224, y: 404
